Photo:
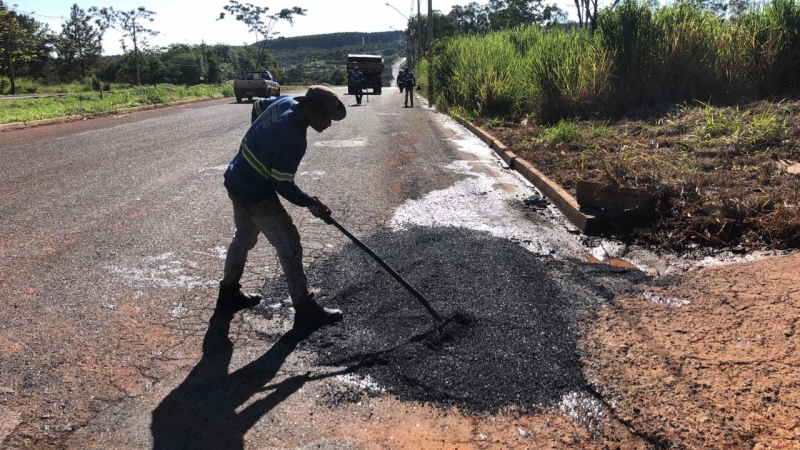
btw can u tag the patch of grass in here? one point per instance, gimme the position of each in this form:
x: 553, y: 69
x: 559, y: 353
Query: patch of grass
x: 560, y: 133
x: 742, y: 131
x: 599, y: 130
x: 492, y: 123
x: 26, y: 110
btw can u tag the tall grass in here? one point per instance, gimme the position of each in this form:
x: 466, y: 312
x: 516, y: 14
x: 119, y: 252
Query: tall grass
x: 641, y: 55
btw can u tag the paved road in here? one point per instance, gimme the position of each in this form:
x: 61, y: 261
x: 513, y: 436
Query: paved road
x: 113, y: 236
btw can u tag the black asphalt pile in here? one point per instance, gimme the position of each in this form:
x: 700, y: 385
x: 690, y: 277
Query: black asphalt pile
x: 509, y: 336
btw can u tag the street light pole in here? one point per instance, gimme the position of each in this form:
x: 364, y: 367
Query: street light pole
x: 419, y: 32
x: 409, y: 59
x: 430, y: 52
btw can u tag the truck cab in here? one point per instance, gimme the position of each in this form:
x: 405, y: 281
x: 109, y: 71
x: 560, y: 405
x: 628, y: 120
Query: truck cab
x: 369, y: 65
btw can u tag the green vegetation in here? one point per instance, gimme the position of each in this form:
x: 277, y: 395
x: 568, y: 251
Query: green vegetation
x: 25, y: 110
x: 723, y: 176
x: 27, y: 85
x: 322, y: 59
x: 560, y: 133
x: 639, y: 56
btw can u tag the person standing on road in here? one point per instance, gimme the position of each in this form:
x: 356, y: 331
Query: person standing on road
x: 357, y: 78
x: 409, y: 81
x: 264, y: 168
x: 400, y: 81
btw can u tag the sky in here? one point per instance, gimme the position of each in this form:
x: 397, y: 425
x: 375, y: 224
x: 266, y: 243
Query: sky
x: 185, y: 22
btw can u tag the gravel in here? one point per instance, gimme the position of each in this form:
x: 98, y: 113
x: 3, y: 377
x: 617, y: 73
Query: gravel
x: 509, y: 336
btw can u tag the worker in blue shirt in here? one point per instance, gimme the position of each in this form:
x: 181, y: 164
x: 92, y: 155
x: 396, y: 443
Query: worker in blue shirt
x: 263, y: 169
x: 401, y: 80
x: 357, y: 79
x: 259, y: 107
x: 409, y: 81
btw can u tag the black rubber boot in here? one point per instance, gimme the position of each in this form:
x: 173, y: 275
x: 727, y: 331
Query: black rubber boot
x: 309, y: 313
x: 232, y: 297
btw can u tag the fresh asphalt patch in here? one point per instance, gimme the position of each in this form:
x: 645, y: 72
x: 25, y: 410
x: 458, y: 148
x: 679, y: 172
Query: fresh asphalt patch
x: 509, y: 338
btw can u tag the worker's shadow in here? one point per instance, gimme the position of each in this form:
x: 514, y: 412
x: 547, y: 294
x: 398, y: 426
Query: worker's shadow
x: 201, y: 412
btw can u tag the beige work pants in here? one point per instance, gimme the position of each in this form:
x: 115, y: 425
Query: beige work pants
x: 271, y: 218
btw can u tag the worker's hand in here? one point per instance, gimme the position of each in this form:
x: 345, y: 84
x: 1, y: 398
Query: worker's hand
x: 320, y: 211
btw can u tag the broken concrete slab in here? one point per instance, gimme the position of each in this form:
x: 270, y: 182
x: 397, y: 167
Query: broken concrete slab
x: 611, y: 198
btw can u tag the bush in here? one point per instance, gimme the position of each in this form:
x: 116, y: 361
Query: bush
x: 227, y: 89
x: 4, y: 84
x: 107, y: 87
x: 154, y: 94
x: 31, y: 89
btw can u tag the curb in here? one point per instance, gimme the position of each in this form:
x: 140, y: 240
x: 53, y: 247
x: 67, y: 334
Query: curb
x: 557, y: 195
x: 12, y: 126
x: 38, y: 123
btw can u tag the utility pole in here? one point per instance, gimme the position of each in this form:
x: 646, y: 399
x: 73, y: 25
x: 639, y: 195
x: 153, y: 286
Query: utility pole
x: 430, y: 53
x: 419, y: 34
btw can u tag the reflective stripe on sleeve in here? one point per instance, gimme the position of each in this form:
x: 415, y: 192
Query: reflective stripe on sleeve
x: 257, y: 108
x: 281, y: 176
x: 254, y: 162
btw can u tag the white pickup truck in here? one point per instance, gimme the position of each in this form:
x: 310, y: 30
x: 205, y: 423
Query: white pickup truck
x: 255, y: 83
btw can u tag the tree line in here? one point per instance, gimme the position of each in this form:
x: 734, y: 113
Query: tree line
x: 29, y: 48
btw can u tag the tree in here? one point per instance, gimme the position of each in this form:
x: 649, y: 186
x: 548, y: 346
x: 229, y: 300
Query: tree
x: 587, y: 13
x: 22, y: 39
x: 80, y: 43
x: 184, y: 63
x: 130, y: 24
x: 443, y: 26
x: 716, y: 6
x: 505, y: 14
x: 257, y: 19
x: 471, y: 19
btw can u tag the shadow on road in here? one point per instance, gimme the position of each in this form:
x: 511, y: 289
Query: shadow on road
x: 201, y: 412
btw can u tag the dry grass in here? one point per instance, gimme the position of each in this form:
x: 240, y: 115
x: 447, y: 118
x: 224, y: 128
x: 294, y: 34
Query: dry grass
x: 719, y: 172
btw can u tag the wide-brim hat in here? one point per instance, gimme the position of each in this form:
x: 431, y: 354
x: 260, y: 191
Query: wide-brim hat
x: 331, y: 105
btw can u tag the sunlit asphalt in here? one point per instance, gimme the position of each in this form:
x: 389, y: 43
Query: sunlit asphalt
x: 114, y: 231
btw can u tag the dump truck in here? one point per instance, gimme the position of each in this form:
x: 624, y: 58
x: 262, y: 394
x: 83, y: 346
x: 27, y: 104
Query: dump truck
x: 369, y: 65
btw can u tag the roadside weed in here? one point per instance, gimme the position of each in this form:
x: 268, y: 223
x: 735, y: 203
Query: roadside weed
x: 598, y: 130
x: 562, y: 132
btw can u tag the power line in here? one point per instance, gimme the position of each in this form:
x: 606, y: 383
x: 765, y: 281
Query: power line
x: 33, y: 13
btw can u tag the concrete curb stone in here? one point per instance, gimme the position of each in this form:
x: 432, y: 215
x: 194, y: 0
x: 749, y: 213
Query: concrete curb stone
x: 560, y: 198
x: 38, y: 123
x: 12, y: 126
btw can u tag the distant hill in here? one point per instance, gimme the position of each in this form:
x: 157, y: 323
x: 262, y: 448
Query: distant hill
x: 322, y: 58
x: 335, y: 40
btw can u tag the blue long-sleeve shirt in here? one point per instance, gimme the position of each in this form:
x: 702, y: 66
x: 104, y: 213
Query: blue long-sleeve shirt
x: 409, y: 80
x: 357, y: 78
x: 269, y: 155
x: 260, y: 106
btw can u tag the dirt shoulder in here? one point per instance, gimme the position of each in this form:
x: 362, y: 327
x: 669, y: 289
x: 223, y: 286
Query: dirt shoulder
x: 724, y: 177
x: 718, y: 371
